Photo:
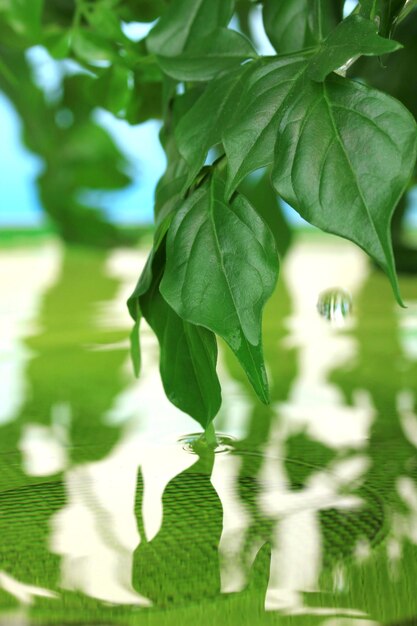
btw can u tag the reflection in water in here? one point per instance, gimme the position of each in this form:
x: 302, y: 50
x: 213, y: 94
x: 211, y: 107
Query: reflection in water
x: 33, y: 273
x: 22, y: 592
x: 96, y: 532
x: 312, y: 512
x: 386, y: 367
x: 69, y: 387
x: 295, y: 532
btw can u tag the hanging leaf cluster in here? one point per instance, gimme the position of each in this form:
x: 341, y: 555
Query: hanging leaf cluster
x: 340, y: 152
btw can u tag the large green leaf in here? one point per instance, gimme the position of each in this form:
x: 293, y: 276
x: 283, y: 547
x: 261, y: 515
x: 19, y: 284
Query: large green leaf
x: 188, y: 356
x: 275, y: 83
x: 249, y: 142
x: 186, y: 22
x: 221, y: 268
x: 296, y: 24
x: 352, y: 37
x: 243, y: 108
x: 344, y: 155
x: 218, y: 52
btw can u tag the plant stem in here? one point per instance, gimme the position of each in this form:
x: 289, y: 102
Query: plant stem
x: 210, y: 436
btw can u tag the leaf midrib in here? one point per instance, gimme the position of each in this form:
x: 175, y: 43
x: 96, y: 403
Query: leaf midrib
x: 280, y: 112
x: 219, y: 252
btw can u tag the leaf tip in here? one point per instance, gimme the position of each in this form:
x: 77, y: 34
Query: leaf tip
x: 392, y: 275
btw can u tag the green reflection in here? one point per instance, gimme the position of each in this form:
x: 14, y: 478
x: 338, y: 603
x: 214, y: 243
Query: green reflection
x: 76, y: 368
x: 71, y: 381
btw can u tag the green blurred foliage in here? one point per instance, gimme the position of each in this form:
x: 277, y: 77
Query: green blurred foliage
x: 78, y: 154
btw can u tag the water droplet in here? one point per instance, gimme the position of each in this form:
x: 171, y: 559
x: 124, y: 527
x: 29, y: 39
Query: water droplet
x: 335, y: 305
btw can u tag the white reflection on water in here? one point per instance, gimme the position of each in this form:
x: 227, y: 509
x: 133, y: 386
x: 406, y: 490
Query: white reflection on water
x: 26, y: 594
x: 43, y: 450
x: 25, y: 275
x: 296, y: 559
x: 317, y: 409
x: 315, y: 405
x: 297, y: 550
x: 346, y: 621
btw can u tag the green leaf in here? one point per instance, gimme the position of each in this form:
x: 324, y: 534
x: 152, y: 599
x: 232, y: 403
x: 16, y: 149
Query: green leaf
x: 143, y: 285
x: 221, y: 268
x: 366, y: 141
x: 186, y: 22
x: 146, y: 94
x: 112, y: 90
x: 135, y: 346
x: 147, y: 277
x: 170, y: 188
x: 261, y: 194
x: 25, y: 17
x: 297, y: 24
x: 57, y: 42
x: 218, y: 52
x: 344, y: 156
x: 286, y: 24
x: 168, y: 194
x: 352, y: 37
x: 104, y: 21
x: 244, y: 108
x: 141, y: 10
x: 249, y: 142
x: 188, y: 356
x: 201, y: 127
x: 91, y: 47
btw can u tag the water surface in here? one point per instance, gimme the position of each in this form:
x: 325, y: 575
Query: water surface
x: 308, y: 517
